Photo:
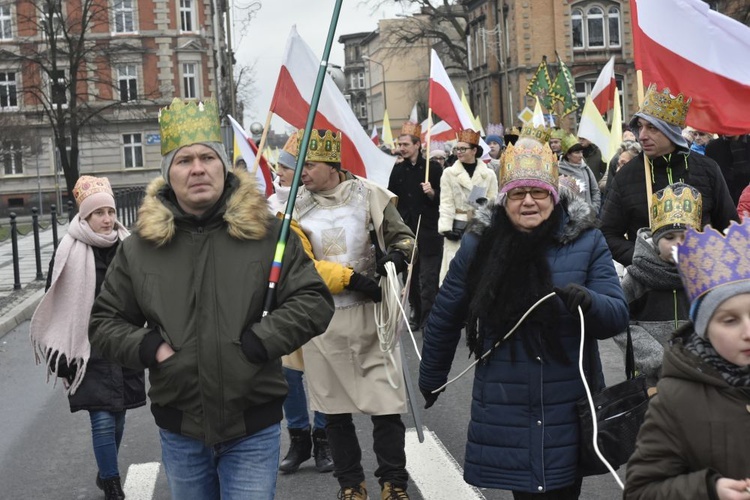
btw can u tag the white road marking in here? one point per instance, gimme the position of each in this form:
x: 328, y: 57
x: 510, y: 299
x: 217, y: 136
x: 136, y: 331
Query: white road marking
x: 141, y: 481
x: 434, y: 470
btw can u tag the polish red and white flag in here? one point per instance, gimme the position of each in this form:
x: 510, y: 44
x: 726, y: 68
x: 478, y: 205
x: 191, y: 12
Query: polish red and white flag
x: 444, y: 101
x: 603, y: 93
x: 291, y: 102
x: 374, y: 135
x: 249, y: 151
x: 701, y: 56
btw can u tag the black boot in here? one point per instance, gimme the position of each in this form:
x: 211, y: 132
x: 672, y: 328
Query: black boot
x: 299, y: 450
x: 112, y: 489
x: 322, y: 451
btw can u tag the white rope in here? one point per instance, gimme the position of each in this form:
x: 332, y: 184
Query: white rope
x: 589, y: 398
x: 388, y: 313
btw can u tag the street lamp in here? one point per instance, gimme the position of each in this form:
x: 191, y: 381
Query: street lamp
x: 382, y: 67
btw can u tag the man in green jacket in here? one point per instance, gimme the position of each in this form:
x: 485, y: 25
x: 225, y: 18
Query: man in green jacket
x: 184, y: 298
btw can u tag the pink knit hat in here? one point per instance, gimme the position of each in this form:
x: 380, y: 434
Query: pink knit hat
x: 92, y: 193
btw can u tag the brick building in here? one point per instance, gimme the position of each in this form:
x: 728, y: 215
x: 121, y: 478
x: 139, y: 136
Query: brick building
x: 139, y: 55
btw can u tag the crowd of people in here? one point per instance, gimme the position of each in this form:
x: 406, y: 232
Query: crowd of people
x: 540, y: 221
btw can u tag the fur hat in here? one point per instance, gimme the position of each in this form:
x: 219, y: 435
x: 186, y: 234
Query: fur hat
x: 92, y: 193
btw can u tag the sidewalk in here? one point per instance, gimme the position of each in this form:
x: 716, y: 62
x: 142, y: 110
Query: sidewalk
x: 17, y: 306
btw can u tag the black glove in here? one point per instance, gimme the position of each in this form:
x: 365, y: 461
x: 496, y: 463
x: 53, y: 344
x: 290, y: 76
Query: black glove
x: 429, y: 397
x: 574, y: 295
x: 398, y: 260
x: 452, y: 235
x: 253, y: 348
x: 368, y: 286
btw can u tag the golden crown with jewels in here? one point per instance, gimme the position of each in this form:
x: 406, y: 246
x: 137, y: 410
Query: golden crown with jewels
x: 710, y: 259
x: 665, y: 106
x: 325, y: 148
x: 677, y: 206
x: 468, y: 136
x: 528, y: 160
x: 185, y: 123
x: 410, y: 128
x: 540, y: 132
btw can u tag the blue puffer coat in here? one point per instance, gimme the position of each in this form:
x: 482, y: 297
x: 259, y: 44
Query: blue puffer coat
x: 523, y: 434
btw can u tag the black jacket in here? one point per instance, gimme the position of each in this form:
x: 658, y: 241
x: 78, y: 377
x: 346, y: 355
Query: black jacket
x: 733, y: 157
x: 405, y: 182
x: 625, y: 210
x: 107, y: 386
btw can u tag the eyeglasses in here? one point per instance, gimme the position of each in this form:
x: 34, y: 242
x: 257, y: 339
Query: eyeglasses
x: 520, y: 194
x: 461, y: 150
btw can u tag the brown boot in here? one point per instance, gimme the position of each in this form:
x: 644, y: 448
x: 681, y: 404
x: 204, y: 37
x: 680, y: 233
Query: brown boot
x: 393, y: 492
x: 353, y: 492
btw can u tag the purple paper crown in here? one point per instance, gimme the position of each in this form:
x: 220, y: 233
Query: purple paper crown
x: 710, y: 259
x: 495, y: 129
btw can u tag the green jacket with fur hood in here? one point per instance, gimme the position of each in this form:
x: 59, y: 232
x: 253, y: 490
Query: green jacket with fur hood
x: 198, y: 284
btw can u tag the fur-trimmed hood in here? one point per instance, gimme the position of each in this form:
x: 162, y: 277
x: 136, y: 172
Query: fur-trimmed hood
x: 579, y: 217
x: 245, y: 211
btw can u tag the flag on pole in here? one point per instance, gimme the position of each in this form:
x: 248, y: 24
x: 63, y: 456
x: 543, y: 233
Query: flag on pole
x: 603, y: 93
x: 475, y: 121
x: 444, y: 101
x: 594, y: 128
x: 387, y: 132
x: 374, y: 135
x: 697, y: 57
x: 414, y: 115
x: 541, y: 84
x: 249, y: 151
x: 441, y: 131
x: 538, y: 119
x: 564, y: 88
x: 615, y: 136
x: 291, y: 101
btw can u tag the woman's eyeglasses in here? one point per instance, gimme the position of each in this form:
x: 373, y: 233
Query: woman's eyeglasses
x: 461, y: 150
x: 520, y: 194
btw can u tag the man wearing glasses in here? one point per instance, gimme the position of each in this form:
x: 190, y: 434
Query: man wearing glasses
x: 463, y: 185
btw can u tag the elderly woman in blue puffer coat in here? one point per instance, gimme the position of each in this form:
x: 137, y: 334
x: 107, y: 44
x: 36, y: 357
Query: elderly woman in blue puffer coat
x: 523, y: 435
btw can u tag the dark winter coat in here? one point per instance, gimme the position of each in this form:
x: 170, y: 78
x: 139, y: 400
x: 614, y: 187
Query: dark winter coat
x: 523, y: 433
x: 405, y: 182
x: 107, y: 386
x: 199, y: 284
x: 626, y: 208
x: 733, y: 157
x: 697, y: 429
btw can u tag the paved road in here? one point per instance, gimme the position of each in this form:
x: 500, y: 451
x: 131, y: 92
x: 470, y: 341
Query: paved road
x: 45, y: 451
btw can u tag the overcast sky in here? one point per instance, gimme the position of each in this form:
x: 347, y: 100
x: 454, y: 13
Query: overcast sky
x: 264, y: 41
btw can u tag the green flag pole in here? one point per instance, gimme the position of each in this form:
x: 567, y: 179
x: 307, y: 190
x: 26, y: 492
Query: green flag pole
x: 278, y: 258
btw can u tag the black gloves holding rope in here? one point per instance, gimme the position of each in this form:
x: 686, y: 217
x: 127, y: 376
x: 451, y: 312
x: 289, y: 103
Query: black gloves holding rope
x: 367, y: 286
x: 398, y: 260
x: 574, y: 295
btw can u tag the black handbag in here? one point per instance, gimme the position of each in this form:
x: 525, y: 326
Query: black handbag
x: 459, y: 226
x: 620, y: 410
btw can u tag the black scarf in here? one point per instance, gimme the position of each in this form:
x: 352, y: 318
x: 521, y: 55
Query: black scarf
x: 736, y: 376
x: 511, y: 273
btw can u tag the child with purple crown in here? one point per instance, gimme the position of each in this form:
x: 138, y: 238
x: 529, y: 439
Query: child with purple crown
x: 695, y: 440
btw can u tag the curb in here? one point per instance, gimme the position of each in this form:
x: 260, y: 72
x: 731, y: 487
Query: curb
x: 22, y: 312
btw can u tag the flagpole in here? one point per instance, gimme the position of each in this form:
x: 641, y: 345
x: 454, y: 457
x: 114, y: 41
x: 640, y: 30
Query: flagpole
x: 278, y: 258
x: 262, y: 143
x: 429, y: 140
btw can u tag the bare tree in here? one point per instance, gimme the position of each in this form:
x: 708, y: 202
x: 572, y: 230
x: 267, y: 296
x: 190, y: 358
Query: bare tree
x: 66, y: 56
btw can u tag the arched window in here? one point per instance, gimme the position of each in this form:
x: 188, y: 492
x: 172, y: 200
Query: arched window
x: 595, y: 27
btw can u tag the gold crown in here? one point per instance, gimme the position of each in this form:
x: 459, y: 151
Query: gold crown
x: 468, y: 136
x: 182, y: 124
x: 326, y: 149
x: 528, y: 160
x: 559, y: 133
x: 676, y: 206
x: 665, y: 107
x: 410, y: 128
x: 567, y: 142
x: 292, y: 144
x: 513, y: 131
x: 540, y: 133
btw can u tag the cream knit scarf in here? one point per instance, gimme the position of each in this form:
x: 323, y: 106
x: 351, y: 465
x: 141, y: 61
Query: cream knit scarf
x: 61, y: 321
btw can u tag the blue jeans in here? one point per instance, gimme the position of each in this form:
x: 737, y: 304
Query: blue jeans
x: 295, y: 404
x: 239, y: 469
x: 106, y: 434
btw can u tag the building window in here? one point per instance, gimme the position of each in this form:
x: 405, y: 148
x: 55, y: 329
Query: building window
x: 189, y: 80
x: 8, y: 91
x: 353, y: 80
x: 127, y: 79
x: 124, y: 16
x: 12, y: 158
x: 361, y: 79
x: 51, y: 22
x: 6, y: 23
x: 58, y: 88
x: 187, y: 17
x: 132, y: 147
x: 363, y: 108
x: 584, y: 86
x: 592, y: 28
